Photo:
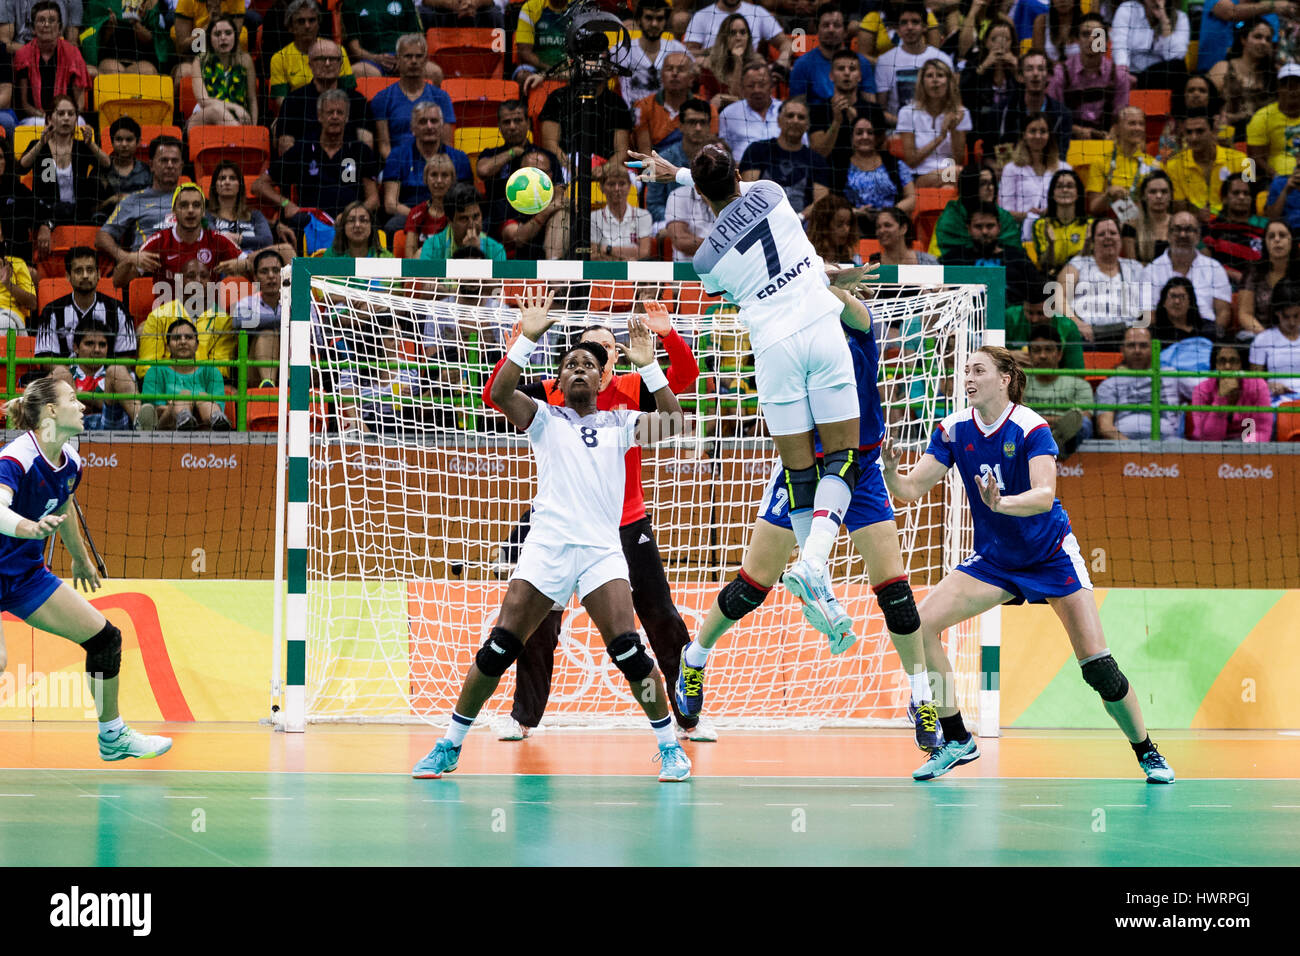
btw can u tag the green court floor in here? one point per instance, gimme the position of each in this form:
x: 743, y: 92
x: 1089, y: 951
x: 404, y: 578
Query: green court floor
x: 106, y: 818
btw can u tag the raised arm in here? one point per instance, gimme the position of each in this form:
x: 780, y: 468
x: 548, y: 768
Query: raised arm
x: 534, y: 320
x: 666, y: 421
x: 1036, y: 501
x: 920, y: 478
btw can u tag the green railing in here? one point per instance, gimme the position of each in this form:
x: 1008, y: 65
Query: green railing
x: 241, y: 364
x: 1156, y: 374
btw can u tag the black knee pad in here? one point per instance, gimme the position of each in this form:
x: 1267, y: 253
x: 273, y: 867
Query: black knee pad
x: 801, y: 484
x: 498, y: 652
x: 741, y: 596
x: 899, y: 607
x: 845, y: 464
x: 1104, y: 676
x: 629, y: 656
x: 104, y: 653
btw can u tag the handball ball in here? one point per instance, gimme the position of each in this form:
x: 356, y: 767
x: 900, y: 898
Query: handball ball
x: 529, y: 190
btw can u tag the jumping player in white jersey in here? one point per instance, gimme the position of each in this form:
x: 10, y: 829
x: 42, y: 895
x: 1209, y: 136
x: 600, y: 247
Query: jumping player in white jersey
x: 1024, y: 549
x: 39, y: 471
x: 574, y: 539
x: 758, y: 255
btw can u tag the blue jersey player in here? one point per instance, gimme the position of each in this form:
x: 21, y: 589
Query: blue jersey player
x: 39, y: 472
x: 869, y: 519
x: 1024, y: 550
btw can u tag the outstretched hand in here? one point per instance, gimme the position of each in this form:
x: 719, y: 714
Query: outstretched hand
x: 989, y: 491
x: 40, y: 530
x: 852, y: 278
x: 891, y: 455
x: 640, y: 349
x: 656, y: 169
x: 535, y: 313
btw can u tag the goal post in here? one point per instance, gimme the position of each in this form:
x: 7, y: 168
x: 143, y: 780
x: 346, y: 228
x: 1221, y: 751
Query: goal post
x: 405, y: 494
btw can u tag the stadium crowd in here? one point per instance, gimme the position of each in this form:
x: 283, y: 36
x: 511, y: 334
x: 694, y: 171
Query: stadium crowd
x: 1132, y: 167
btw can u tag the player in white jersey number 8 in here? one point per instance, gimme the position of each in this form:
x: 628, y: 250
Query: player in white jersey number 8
x: 574, y: 542
x: 756, y: 252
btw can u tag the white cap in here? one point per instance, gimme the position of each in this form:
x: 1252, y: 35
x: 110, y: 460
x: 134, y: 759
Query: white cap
x: 1291, y: 69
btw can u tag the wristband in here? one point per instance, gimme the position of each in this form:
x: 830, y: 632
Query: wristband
x: 9, y: 519
x: 521, y: 350
x: 652, y: 376
x: 284, y: 202
x: 684, y: 177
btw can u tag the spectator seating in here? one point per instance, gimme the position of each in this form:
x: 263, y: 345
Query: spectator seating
x: 247, y: 146
x: 476, y: 100
x: 262, y: 416
x: 1156, y: 105
x: 930, y: 201
x: 372, y: 86
x: 867, y: 248
x: 612, y: 296
x: 466, y: 51
x: 25, y: 349
x: 140, y: 299
x: 47, y: 290
x: 1103, y: 361
x: 147, y: 135
x: 1288, y: 422
x: 146, y: 99
x: 536, y: 100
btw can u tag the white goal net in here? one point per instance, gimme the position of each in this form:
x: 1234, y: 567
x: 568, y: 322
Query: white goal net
x: 417, y: 488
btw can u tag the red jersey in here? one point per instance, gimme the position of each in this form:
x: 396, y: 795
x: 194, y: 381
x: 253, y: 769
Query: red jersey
x: 210, y: 248
x: 625, y: 391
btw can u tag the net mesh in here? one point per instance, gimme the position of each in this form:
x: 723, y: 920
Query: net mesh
x: 417, y: 490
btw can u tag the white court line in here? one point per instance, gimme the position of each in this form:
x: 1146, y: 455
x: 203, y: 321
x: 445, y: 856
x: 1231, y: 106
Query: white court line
x: 537, y: 803
x: 17, y: 794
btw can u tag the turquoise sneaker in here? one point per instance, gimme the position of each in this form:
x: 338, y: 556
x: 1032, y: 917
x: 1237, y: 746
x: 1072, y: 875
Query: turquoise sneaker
x: 1156, y: 767
x: 951, y: 754
x: 809, y: 585
x: 674, y: 765
x: 130, y: 744
x: 443, y: 758
x: 929, y: 733
x: 689, y: 689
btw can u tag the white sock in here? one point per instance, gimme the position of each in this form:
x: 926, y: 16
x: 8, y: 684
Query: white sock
x: 458, y: 728
x: 110, y: 729
x: 832, y: 500
x: 920, y: 684
x: 664, y: 732
x: 801, y: 522
x: 696, y: 655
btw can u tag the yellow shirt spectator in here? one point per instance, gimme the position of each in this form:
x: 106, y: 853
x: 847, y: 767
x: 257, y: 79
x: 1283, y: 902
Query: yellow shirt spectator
x: 289, y: 70
x: 1109, y: 169
x: 216, y: 336
x: 197, y: 11
x: 12, y: 315
x: 1279, y: 133
x: 874, y: 23
x: 1192, y: 185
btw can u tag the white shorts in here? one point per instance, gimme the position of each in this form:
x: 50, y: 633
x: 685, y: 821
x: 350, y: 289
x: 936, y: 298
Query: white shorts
x: 807, y: 378
x: 557, y: 570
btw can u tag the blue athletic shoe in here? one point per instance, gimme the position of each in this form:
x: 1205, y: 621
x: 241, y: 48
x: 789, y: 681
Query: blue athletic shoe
x: 1156, y: 767
x: 929, y: 732
x: 689, y: 688
x: 809, y: 585
x: 951, y: 754
x: 443, y: 758
x: 674, y: 765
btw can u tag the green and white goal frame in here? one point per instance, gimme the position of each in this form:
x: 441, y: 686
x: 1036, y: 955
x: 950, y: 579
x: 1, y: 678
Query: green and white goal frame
x: 288, y: 685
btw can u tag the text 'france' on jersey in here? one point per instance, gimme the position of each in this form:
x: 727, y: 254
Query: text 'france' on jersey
x: 1002, y: 450
x: 40, y: 488
x: 581, y: 474
x: 758, y: 255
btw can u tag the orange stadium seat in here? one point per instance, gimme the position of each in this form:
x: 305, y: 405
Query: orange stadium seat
x: 149, y: 100
x: 930, y: 201
x: 1156, y: 105
x: 140, y: 299
x: 24, y: 347
x: 399, y: 244
x: 867, y: 248
x: 476, y: 100
x: 466, y: 51
x: 247, y: 146
x: 372, y: 86
x: 1104, y: 361
x: 147, y: 136
x: 612, y: 296
x: 1288, y: 421
x: 262, y: 416
x: 47, y: 290
x: 536, y: 100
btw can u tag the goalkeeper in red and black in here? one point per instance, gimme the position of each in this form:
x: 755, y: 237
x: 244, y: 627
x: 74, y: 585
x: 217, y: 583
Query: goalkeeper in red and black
x: 651, y: 596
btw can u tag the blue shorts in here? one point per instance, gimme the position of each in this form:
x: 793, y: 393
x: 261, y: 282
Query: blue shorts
x: 1061, y: 574
x: 869, y: 504
x: 22, y: 594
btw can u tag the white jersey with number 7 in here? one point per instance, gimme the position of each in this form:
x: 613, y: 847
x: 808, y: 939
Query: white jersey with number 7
x: 758, y: 255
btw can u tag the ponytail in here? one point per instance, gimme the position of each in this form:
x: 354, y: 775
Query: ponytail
x: 1005, y: 362
x: 25, y: 410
